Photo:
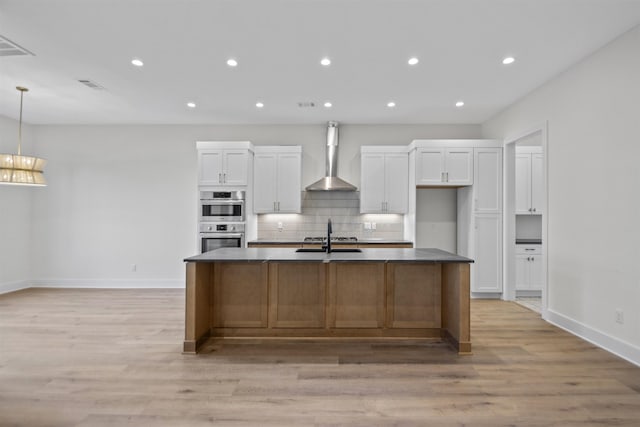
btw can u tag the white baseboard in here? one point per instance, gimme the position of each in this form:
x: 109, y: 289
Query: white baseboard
x: 486, y: 295
x: 528, y: 293
x: 108, y: 283
x: 16, y: 285
x: 613, y: 345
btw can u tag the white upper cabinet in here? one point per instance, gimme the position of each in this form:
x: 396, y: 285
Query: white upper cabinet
x: 277, y: 176
x: 384, y: 180
x: 529, y: 182
x: 487, y: 180
x: 537, y: 183
x: 221, y: 165
x: 444, y: 166
x: 234, y: 167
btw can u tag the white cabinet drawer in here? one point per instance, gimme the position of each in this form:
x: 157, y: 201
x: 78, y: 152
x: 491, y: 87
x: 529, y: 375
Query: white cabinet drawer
x: 528, y: 249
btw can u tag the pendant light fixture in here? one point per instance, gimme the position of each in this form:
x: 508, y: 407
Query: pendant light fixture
x: 16, y: 169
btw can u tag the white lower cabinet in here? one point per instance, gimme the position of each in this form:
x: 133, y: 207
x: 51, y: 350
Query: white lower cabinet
x: 529, y: 271
x: 486, y: 271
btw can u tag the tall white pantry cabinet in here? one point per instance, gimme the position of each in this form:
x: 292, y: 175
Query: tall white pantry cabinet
x: 484, y: 242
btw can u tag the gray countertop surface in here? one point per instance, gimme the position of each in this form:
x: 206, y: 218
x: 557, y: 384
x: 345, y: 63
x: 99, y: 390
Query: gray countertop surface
x: 528, y: 241
x: 299, y: 242
x: 367, y: 255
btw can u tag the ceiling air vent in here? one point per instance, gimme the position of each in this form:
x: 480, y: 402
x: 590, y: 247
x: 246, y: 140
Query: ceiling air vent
x: 9, y: 48
x: 308, y: 104
x: 92, y: 85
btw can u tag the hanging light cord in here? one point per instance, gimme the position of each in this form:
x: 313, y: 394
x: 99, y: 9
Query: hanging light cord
x: 22, y: 91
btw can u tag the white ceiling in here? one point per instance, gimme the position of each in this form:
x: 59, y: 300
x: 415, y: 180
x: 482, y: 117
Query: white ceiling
x: 278, y: 44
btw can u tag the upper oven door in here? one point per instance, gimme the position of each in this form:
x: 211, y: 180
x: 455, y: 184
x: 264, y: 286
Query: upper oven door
x: 222, y: 210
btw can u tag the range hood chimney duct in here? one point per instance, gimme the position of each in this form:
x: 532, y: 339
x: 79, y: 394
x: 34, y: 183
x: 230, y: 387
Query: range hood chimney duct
x: 331, y: 182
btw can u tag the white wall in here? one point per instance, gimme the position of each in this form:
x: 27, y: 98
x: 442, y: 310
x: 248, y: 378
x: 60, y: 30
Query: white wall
x: 594, y: 201
x: 123, y: 195
x: 436, y: 218
x: 15, y: 214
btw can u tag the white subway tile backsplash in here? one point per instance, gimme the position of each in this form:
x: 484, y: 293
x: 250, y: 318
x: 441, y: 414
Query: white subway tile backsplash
x: 343, y: 207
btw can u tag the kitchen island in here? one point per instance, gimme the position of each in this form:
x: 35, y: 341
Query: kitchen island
x: 267, y: 292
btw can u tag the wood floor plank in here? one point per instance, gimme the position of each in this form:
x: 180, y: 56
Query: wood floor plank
x: 92, y: 357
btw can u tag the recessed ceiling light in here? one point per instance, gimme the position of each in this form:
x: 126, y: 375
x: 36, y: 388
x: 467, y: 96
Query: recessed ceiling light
x: 413, y: 61
x: 328, y: 104
x: 137, y: 62
x: 259, y: 104
x: 191, y: 104
x: 326, y: 62
x: 460, y: 104
x: 391, y: 104
x: 232, y: 62
x: 508, y: 60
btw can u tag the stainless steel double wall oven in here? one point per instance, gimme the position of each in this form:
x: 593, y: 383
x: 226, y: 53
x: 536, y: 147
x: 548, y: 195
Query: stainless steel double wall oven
x: 222, y: 216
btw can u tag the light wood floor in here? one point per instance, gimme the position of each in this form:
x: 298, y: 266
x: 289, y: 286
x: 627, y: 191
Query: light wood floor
x: 112, y: 358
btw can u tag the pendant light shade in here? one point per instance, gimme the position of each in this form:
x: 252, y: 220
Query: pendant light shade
x: 16, y: 169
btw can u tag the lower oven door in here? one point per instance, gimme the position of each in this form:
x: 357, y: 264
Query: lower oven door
x: 211, y: 241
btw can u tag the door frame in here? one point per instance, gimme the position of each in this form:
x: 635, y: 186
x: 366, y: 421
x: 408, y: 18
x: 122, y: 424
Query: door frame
x: 509, y: 219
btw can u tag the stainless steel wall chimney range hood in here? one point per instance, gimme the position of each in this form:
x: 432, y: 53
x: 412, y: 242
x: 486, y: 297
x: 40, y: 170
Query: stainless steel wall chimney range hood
x: 331, y: 182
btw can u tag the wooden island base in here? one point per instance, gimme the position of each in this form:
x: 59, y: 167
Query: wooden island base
x: 327, y: 299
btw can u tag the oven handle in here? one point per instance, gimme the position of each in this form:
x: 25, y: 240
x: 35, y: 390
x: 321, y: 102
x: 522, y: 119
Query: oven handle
x: 222, y: 202
x: 222, y: 235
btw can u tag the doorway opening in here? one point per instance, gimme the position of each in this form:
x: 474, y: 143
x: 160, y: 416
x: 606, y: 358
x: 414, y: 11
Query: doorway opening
x: 525, y: 225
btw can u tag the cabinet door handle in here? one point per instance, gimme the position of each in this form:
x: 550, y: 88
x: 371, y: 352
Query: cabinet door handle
x: 442, y: 177
x: 534, y: 209
x: 447, y: 175
x: 274, y: 206
x: 220, y: 178
x: 224, y: 178
x: 278, y: 206
x: 528, y: 258
x: 529, y: 249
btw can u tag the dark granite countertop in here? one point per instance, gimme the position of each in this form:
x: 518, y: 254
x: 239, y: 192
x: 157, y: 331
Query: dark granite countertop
x: 367, y: 255
x: 358, y: 242
x: 528, y: 241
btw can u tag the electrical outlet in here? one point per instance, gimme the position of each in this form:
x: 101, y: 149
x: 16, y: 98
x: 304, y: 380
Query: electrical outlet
x: 620, y: 316
x: 367, y: 226
x: 373, y: 225
x: 280, y: 226
x: 134, y: 267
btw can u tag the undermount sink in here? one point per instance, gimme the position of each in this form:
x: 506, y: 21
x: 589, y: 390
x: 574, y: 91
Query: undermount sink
x: 332, y: 250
